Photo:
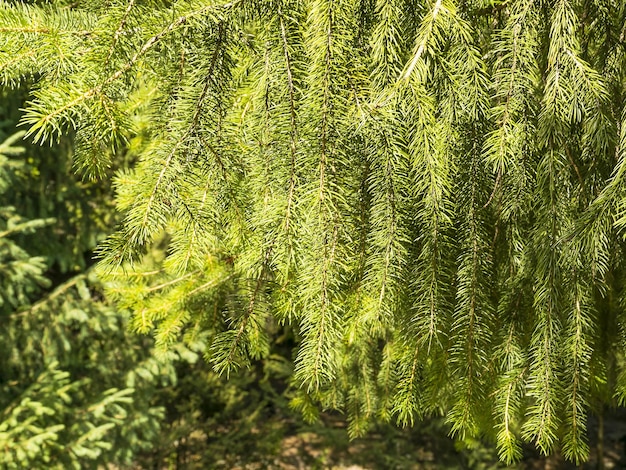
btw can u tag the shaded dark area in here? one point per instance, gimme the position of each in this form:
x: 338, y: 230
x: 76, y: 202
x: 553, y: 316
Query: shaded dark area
x: 246, y: 423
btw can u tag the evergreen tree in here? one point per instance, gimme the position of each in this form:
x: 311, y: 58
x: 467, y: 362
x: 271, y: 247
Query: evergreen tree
x: 429, y: 194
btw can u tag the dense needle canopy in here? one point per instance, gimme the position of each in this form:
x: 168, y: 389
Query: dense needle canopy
x: 429, y: 193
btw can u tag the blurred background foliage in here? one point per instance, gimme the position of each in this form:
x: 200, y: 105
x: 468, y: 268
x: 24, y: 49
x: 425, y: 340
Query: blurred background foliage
x: 76, y: 388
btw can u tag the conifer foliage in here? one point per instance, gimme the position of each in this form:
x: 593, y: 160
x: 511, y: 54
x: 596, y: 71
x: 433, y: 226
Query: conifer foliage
x: 429, y: 193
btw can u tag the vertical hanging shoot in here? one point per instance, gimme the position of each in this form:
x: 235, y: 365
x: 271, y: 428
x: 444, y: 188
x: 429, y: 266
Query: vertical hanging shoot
x: 422, y: 330
x: 464, y: 100
x: 388, y: 182
x: 615, y: 189
x: 570, y: 92
x: 328, y: 43
x: 508, y: 150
